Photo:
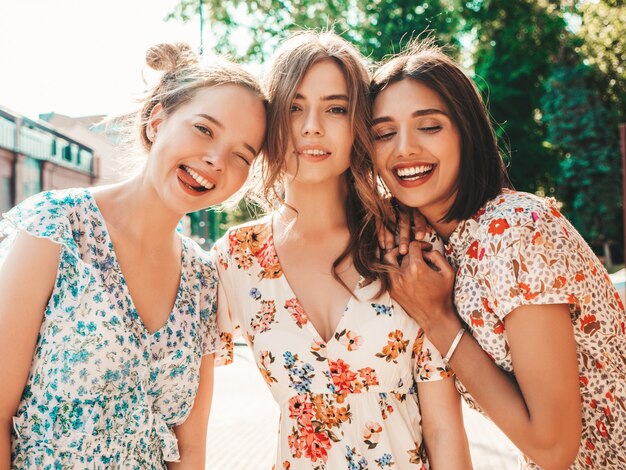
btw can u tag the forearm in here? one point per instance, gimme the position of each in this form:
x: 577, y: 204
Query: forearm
x: 533, y: 429
x: 447, y: 450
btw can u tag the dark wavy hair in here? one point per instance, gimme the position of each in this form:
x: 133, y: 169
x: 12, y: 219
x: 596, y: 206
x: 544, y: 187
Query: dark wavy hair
x: 482, y: 173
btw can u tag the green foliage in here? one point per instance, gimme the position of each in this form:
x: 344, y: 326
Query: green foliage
x: 377, y: 28
x: 515, y: 45
x: 554, y: 73
x: 603, y: 32
x: 585, y: 130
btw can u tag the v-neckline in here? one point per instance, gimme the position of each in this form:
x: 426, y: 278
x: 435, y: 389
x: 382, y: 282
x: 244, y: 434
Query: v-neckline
x: 132, y: 311
x: 293, y: 294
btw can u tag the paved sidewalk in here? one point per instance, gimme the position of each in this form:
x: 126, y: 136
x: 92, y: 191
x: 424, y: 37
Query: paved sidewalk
x: 244, y: 423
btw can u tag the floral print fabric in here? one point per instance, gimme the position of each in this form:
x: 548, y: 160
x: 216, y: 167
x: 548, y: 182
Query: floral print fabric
x: 519, y: 250
x: 349, y: 403
x: 102, y: 391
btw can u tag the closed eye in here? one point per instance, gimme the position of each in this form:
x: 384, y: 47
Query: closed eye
x: 430, y: 129
x: 384, y: 135
x: 243, y: 158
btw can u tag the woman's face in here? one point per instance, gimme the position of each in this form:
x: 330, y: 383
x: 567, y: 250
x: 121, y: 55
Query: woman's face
x: 321, y: 131
x: 417, y: 147
x: 201, y: 153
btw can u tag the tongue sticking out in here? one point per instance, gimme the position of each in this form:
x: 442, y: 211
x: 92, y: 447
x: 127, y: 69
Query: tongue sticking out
x: 189, y: 181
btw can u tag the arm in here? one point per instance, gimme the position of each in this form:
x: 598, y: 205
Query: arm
x: 192, y: 434
x: 442, y: 425
x: 27, y: 279
x: 541, y: 412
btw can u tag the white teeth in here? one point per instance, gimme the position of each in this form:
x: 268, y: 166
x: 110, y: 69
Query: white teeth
x: 414, y: 171
x: 314, y: 152
x: 199, y: 179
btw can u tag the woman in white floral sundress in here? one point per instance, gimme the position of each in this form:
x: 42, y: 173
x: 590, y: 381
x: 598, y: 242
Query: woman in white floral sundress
x: 528, y: 289
x: 107, y: 315
x: 339, y: 356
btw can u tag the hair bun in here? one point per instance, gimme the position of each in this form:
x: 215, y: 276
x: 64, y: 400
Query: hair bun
x: 167, y: 57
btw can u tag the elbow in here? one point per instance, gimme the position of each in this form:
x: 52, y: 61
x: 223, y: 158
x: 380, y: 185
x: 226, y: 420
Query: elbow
x: 558, y: 453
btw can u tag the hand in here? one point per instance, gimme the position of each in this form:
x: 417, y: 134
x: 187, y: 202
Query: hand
x: 400, y: 218
x: 423, y: 285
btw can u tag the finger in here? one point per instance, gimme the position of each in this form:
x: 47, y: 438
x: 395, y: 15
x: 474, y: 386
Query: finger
x: 420, y: 225
x: 404, y: 231
x: 415, y: 255
x: 426, y: 246
x: 435, y: 258
x: 391, y: 257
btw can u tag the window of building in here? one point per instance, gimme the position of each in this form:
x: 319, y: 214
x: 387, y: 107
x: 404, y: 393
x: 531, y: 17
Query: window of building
x: 31, y: 177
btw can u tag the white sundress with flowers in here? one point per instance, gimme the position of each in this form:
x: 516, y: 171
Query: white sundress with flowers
x: 349, y: 403
x: 102, y: 391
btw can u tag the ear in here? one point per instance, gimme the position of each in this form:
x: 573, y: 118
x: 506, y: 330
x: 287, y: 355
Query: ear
x: 154, y: 122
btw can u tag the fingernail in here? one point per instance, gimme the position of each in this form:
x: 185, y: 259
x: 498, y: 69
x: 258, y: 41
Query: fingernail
x: 403, y: 249
x: 419, y: 235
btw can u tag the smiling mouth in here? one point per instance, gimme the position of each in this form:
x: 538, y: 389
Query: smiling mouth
x: 413, y: 173
x: 202, y: 185
x: 313, y: 153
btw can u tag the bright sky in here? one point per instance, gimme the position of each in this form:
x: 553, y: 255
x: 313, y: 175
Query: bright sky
x: 81, y: 57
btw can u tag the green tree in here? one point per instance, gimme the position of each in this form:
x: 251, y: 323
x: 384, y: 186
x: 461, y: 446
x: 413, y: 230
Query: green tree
x: 603, y: 31
x: 516, y: 43
x: 583, y: 129
x: 377, y: 27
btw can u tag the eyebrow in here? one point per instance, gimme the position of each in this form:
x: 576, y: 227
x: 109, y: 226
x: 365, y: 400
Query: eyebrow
x: 336, y: 97
x: 221, y: 126
x: 212, y: 119
x: 418, y: 113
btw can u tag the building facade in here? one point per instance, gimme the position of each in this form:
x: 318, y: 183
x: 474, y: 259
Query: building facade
x: 36, y: 157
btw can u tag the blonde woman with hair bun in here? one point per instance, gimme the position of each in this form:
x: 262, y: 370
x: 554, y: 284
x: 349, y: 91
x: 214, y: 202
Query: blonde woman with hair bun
x: 108, y: 332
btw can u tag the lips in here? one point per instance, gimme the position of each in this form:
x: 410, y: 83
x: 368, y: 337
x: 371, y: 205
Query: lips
x: 313, y: 152
x: 193, y: 180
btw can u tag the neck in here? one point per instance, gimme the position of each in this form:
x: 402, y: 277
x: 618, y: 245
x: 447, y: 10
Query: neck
x: 316, y: 207
x: 135, y: 210
x: 443, y: 229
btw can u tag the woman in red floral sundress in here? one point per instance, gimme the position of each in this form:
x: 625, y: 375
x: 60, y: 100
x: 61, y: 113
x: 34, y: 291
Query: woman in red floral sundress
x: 339, y: 356
x: 528, y: 289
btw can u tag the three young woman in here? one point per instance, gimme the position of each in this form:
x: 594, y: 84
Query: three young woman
x: 107, y: 324
x: 107, y: 315
x: 529, y: 292
x: 341, y: 358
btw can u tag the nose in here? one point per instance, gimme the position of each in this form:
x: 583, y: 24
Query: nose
x: 408, y: 143
x: 216, y: 159
x: 312, y: 124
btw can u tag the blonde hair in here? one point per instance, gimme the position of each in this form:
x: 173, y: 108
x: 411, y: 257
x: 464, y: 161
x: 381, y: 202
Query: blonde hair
x: 291, y: 62
x: 183, y: 76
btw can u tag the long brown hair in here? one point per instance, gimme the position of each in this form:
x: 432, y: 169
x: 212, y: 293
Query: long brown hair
x: 482, y: 173
x: 291, y: 62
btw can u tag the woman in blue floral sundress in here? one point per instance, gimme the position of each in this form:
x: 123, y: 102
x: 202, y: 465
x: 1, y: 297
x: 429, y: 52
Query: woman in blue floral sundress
x: 107, y: 315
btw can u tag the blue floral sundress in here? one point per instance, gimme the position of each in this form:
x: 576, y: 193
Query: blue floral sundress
x: 102, y: 391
